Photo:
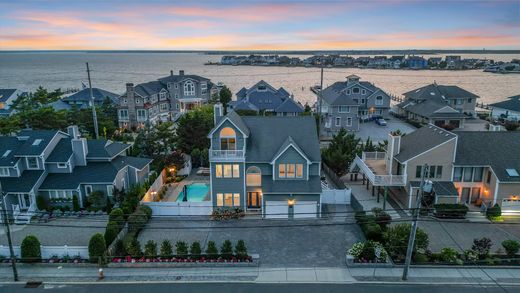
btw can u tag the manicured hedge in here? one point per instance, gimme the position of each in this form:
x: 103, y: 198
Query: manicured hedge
x: 30, y: 249
x: 450, y: 211
x: 96, y: 248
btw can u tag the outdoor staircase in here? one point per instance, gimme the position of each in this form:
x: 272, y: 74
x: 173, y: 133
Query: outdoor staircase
x: 474, y: 216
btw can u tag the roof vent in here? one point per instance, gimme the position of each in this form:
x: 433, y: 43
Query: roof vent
x: 37, y: 142
x: 512, y: 172
x: 432, y: 93
x: 6, y: 153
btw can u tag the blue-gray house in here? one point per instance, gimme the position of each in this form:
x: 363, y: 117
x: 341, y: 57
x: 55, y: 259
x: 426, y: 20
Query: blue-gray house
x: 262, y: 97
x: 265, y: 164
x: 58, y: 166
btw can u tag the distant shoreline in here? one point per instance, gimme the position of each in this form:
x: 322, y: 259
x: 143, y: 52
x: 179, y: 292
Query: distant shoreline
x: 290, y: 52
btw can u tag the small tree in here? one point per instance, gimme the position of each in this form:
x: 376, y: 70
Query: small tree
x: 482, y: 247
x: 166, y: 249
x: 30, y: 249
x: 211, y: 250
x: 134, y: 248
x: 117, y: 216
x: 137, y: 221
x: 195, y: 250
x: 225, y: 97
x: 226, y: 250
x: 75, y: 203
x: 181, y: 249
x: 111, y: 232
x: 96, y: 248
x: 511, y: 247
x: 396, y: 240
x: 241, y: 249
x: 150, y: 249
x: 97, y: 199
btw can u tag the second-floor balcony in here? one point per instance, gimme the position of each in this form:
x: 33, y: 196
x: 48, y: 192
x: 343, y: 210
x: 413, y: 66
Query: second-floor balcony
x: 226, y: 154
x: 373, y: 165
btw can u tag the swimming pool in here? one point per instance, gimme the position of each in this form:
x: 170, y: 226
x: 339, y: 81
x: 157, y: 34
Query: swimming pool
x: 195, y: 192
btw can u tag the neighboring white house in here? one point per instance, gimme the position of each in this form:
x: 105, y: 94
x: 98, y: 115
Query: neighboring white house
x: 508, y: 109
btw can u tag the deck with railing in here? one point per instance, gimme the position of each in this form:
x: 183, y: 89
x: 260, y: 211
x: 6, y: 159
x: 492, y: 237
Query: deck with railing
x: 227, y: 154
x: 373, y: 165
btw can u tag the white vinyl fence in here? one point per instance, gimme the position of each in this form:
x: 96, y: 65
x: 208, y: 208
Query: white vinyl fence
x: 203, y: 208
x: 50, y: 251
x: 336, y: 196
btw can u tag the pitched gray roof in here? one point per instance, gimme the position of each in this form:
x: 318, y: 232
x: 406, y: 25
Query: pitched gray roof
x: 271, y: 99
x: 5, y: 94
x: 512, y: 104
x: 237, y: 120
x: 421, y: 140
x: 136, y: 162
x: 268, y: 133
x: 149, y: 88
x: 177, y: 78
x: 62, y: 151
x: 429, y: 108
x: 289, y: 141
x: 335, y: 93
x: 27, y: 148
x: 243, y: 105
x: 21, y: 184
x: 102, y: 148
x: 8, y: 143
x: 498, y: 149
x: 84, y: 96
x: 313, y: 185
x: 439, y: 92
x: 289, y: 106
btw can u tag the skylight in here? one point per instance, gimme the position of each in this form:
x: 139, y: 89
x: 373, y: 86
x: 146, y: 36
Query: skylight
x: 432, y: 93
x: 37, y: 141
x: 6, y: 153
x: 512, y: 172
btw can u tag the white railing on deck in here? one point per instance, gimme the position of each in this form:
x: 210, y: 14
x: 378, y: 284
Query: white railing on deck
x: 226, y: 154
x: 379, y: 180
x: 373, y: 156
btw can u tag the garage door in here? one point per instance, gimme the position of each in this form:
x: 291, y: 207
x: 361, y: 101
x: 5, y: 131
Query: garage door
x: 305, y: 209
x: 510, y: 204
x: 276, y: 210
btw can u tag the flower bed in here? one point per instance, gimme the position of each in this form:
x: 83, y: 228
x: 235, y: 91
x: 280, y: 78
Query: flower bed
x: 368, y: 252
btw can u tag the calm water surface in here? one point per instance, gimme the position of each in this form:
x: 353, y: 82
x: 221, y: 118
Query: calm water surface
x: 111, y: 71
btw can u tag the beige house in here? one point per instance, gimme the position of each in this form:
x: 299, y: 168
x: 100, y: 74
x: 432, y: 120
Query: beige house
x: 473, y: 168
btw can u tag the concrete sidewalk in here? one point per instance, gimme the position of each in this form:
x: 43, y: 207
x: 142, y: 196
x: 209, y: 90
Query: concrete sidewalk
x: 450, y: 275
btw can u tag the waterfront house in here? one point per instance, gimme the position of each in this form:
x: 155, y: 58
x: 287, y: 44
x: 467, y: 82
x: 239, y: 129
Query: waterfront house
x: 508, y: 109
x: 82, y: 99
x: 265, y: 164
x: 396, y: 62
x: 472, y: 168
x: 264, y: 98
x: 60, y: 165
x: 163, y: 99
x: 442, y: 105
x: 7, y: 98
x: 346, y: 102
x: 416, y: 62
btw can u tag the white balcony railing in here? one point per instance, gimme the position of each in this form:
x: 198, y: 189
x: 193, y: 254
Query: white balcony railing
x: 378, y: 180
x: 226, y: 154
x: 373, y: 156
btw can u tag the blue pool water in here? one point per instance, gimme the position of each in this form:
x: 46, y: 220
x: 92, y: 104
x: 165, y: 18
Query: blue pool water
x: 195, y: 191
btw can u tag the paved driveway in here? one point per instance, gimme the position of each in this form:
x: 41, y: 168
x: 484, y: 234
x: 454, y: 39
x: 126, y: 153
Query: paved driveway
x: 297, y: 243
x: 379, y: 133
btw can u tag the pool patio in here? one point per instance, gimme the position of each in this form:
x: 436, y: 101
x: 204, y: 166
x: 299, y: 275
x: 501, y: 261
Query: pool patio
x: 175, y: 189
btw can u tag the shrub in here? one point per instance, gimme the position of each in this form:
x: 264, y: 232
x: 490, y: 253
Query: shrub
x: 511, y: 247
x: 421, y: 258
x: 75, y: 203
x: 134, y: 248
x: 166, y: 249
x: 117, y: 216
x: 241, y: 249
x: 195, y: 250
x: 494, y: 211
x: 470, y: 255
x: 97, y: 200
x: 146, y: 210
x: 119, y: 249
x: 382, y: 218
x: 181, y: 249
x: 41, y: 203
x: 226, y: 250
x: 450, y: 211
x: 360, y: 217
x: 373, y: 232
x: 111, y: 232
x: 137, y: 221
x: 396, y: 241
x: 482, y: 247
x: 368, y: 252
x: 449, y: 255
x: 96, y: 248
x: 150, y: 249
x: 211, y: 250
x: 30, y: 249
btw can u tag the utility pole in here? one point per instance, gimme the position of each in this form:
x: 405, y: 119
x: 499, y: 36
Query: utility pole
x: 415, y: 216
x: 94, y: 115
x: 320, y: 97
x: 9, y: 240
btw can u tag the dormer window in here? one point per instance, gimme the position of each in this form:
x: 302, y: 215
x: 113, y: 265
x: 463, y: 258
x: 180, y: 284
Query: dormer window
x: 227, y: 139
x: 355, y: 90
x: 32, y: 163
x: 189, y: 88
x: 162, y: 96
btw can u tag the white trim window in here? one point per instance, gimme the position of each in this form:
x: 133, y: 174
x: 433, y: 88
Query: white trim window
x: 88, y: 190
x: 344, y: 109
x: 379, y: 100
x: 4, y: 172
x: 162, y: 95
x: 62, y: 165
x: 338, y: 121
x: 349, y: 121
x: 110, y: 190
x: 203, y: 88
x: 227, y: 171
x: 123, y: 114
x: 189, y: 88
x: 141, y: 115
x: 228, y: 199
x: 164, y: 107
x: 32, y: 163
x: 253, y: 176
x: 59, y: 194
x: 299, y: 170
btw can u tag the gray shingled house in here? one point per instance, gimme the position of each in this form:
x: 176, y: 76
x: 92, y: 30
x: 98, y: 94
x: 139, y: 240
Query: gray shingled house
x: 163, y: 99
x: 439, y: 104
x: 473, y: 168
x: 508, y: 109
x: 345, y: 103
x: 265, y: 164
x: 262, y: 97
x: 82, y: 99
x: 59, y: 165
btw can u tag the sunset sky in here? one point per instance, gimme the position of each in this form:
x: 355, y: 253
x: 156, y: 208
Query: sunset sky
x: 258, y: 25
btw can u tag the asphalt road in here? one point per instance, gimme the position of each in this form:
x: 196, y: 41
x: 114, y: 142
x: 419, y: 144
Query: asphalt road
x: 253, y: 288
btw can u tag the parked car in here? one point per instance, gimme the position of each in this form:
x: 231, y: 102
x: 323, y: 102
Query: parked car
x: 381, y: 122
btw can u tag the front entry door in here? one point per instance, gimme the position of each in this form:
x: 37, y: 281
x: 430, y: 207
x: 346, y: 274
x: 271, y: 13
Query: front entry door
x: 253, y: 200
x: 25, y: 200
x: 465, y: 195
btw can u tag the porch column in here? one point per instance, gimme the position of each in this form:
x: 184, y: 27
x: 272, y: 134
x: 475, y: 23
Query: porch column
x: 385, y: 196
x: 378, y: 193
x: 373, y: 191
